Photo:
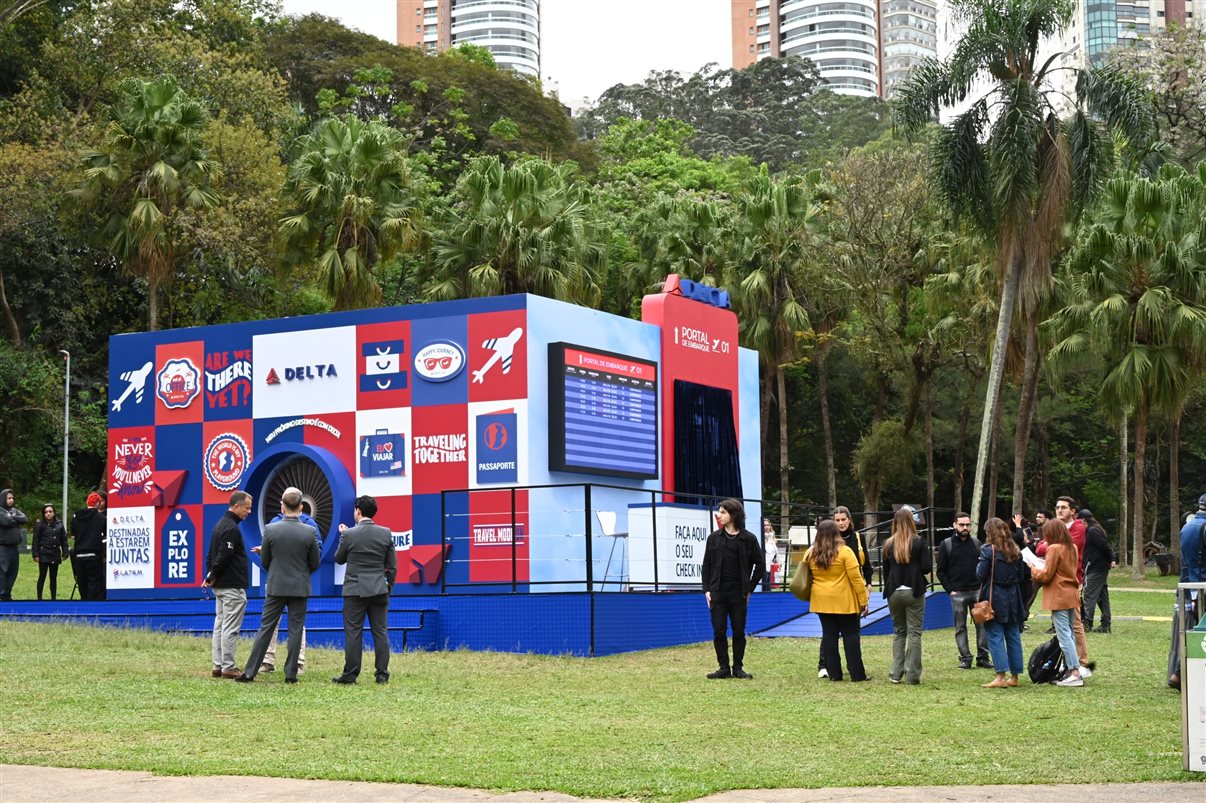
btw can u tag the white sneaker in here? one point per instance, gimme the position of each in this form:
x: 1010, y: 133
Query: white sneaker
x: 1085, y: 672
x: 823, y: 673
x: 1070, y: 680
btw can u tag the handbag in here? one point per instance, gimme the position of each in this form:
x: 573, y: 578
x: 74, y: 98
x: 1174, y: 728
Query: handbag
x: 801, y: 581
x: 982, y: 610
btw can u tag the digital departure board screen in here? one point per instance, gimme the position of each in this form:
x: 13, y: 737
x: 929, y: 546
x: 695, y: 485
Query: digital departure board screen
x: 602, y: 412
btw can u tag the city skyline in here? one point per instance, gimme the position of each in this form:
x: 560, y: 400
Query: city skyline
x: 577, y: 37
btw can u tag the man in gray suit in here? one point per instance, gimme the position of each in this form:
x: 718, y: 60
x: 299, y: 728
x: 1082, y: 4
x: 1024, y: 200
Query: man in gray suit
x: 368, y: 551
x: 290, y: 555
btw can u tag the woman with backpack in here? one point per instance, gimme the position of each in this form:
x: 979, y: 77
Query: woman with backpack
x: 1061, y: 593
x: 1001, y: 573
x: 907, y: 561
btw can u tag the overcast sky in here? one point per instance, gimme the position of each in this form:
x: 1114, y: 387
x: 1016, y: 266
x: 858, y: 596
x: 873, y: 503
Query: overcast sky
x: 588, y: 45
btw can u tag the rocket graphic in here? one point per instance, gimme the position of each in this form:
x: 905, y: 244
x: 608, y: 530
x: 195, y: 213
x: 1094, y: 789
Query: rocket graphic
x: 503, y: 348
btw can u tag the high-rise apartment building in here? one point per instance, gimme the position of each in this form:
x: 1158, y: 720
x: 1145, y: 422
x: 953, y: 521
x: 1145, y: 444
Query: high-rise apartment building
x: 860, y: 47
x: 1099, y: 26
x: 510, y: 29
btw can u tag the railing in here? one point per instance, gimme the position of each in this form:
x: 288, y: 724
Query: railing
x: 487, y: 542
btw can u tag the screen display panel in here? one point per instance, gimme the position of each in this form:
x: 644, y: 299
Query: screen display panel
x: 602, y: 412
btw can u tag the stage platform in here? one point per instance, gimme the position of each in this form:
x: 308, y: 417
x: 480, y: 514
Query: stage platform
x: 582, y: 624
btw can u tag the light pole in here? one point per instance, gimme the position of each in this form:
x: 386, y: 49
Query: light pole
x: 66, y: 425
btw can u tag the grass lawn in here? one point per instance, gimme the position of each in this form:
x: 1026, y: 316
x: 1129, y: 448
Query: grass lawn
x: 644, y: 725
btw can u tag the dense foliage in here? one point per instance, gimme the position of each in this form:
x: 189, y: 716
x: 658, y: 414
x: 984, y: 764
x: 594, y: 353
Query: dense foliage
x: 184, y: 162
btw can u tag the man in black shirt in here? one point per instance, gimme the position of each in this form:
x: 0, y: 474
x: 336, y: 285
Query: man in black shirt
x: 226, y: 574
x: 732, y: 567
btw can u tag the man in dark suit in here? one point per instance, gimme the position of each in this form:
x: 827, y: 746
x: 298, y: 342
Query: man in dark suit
x: 368, y: 551
x: 290, y: 555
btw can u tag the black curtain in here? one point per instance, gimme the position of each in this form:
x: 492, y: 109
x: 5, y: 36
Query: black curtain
x: 705, y: 442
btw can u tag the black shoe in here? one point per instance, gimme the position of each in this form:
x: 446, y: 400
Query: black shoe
x: 382, y: 678
x: 741, y: 674
x: 244, y: 679
x: 343, y: 681
x: 983, y: 664
x: 965, y: 664
x: 860, y: 680
x: 1025, y: 628
x: 1050, y: 631
x: 1102, y: 629
x: 290, y: 680
x: 720, y: 674
x: 1092, y: 665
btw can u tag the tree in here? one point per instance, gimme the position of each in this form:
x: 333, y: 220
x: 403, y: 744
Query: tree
x: 1138, y: 288
x: 777, y: 221
x: 152, y: 164
x: 521, y: 228
x: 1008, y: 164
x: 1170, y: 63
x: 352, y: 201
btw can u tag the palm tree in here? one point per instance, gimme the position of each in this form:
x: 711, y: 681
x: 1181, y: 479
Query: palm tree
x: 354, y: 204
x: 1138, y: 289
x: 151, y: 165
x: 777, y: 219
x: 520, y: 228
x: 1009, y: 164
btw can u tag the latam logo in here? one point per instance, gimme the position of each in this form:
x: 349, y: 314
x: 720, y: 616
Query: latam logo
x: 178, y: 383
x: 302, y: 373
x: 226, y: 459
x: 440, y: 361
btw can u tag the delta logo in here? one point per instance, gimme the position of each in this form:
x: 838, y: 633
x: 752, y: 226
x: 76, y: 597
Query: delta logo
x: 302, y: 373
x: 178, y: 383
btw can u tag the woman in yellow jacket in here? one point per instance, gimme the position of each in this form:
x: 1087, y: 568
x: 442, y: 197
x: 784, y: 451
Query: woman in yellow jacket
x: 839, y: 598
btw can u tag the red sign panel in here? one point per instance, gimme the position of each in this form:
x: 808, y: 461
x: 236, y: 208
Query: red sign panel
x: 499, y: 540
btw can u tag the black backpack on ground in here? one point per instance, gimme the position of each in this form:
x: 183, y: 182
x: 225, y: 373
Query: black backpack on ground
x: 1046, y: 662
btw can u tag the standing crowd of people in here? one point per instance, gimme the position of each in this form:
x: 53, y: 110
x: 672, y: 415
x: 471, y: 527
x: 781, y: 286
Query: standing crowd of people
x: 50, y: 547
x: 994, y: 583
x: 290, y: 552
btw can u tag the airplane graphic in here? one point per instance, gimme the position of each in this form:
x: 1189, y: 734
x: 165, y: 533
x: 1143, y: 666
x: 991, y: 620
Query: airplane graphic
x: 504, y: 349
x: 138, y: 383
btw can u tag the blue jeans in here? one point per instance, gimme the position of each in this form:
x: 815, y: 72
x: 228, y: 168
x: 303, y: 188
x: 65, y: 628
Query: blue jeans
x: 1005, y: 644
x: 1067, y: 642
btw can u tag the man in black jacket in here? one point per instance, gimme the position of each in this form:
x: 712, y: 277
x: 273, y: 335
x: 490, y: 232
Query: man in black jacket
x: 88, y: 550
x: 1099, y: 559
x: 226, y: 574
x: 957, y: 559
x: 732, y: 567
x: 11, y: 539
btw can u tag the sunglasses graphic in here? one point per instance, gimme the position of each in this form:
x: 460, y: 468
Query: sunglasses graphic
x: 430, y: 363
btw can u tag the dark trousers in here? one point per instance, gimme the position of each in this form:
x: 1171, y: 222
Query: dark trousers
x: 728, y: 608
x: 354, y: 611
x: 845, y: 626
x: 10, y: 564
x: 273, y: 606
x: 1097, y: 593
x: 90, y: 577
x: 51, y: 569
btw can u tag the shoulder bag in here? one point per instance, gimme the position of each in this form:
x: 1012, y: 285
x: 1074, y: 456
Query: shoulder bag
x: 801, y: 581
x: 982, y: 610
